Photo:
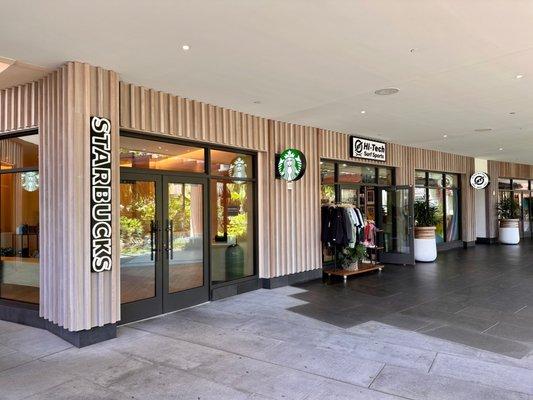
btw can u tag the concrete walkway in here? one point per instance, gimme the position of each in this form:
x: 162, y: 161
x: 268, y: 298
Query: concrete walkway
x: 253, y: 346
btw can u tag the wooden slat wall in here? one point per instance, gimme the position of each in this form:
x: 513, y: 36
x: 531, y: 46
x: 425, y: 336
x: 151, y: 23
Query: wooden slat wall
x: 19, y: 107
x: 71, y: 296
x: 501, y: 169
x: 405, y: 160
x: 150, y: 111
x: 294, y: 214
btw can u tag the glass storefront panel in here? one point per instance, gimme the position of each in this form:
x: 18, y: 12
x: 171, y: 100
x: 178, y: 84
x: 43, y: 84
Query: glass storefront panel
x: 350, y: 173
x: 451, y: 181
x: 436, y: 198
x: 327, y: 172
x: 232, y: 230
x: 230, y: 164
x: 526, y: 213
x: 327, y: 194
x: 19, y: 237
x: 149, y: 154
x: 435, y: 179
x: 420, y: 178
x: 504, y: 184
x: 138, y: 239
x: 20, y: 152
x: 369, y: 175
x: 186, y: 227
x: 385, y: 176
x: 520, y: 184
x: 452, y: 215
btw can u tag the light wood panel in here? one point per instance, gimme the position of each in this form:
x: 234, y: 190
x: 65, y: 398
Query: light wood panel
x: 19, y: 107
x: 406, y: 160
x: 294, y: 220
x: 71, y: 296
x: 147, y: 110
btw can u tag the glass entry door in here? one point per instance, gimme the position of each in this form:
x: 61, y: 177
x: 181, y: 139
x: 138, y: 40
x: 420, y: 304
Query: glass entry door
x: 395, y: 219
x: 163, y: 260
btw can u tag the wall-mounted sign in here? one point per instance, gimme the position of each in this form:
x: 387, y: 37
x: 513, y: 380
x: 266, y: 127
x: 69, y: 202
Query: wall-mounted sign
x: 368, y: 149
x: 290, y: 165
x: 30, y: 181
x: 100, y: 170
x: 479, y: 180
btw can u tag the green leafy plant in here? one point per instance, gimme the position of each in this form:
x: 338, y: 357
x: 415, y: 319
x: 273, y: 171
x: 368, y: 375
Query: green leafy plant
x: 426, y: 213
x: 508, y: 208
x: 350, y: 255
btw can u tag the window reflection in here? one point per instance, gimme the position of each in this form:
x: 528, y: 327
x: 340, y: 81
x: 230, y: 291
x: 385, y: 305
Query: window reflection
x: 230, y: 164
x: 147, y: 154
x: 19, y: 219
x: 232, y: 250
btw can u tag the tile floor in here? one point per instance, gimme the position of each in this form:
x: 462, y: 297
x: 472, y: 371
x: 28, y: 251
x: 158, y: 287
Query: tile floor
x: 457, y: 329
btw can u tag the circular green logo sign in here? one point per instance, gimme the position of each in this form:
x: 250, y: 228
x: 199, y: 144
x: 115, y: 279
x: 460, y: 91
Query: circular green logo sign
x: 291, y: 165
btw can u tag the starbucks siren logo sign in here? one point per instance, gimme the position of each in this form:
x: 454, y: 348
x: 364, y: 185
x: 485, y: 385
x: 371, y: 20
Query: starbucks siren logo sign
x: 291, y: 165
x: 237, y: 169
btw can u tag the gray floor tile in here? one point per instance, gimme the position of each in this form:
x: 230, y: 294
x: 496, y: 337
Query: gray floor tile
x: 512, y: 332
x: 490, y: 374
x: 29, y: 379
x: 78, y: 389
x: 420, y: 386
x: 34, y: 342
x: 480, y: 341
x: 14, y: 359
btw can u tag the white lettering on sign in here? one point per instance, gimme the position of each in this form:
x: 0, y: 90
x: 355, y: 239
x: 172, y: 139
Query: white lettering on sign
x: 101, y: 238
x: 368, y: 149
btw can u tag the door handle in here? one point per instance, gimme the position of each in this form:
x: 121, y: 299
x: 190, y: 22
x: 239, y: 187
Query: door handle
x: 169, y: 247
x: 154, y: 240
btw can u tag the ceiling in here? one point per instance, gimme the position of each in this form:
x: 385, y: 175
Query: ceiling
x: 312, y: 62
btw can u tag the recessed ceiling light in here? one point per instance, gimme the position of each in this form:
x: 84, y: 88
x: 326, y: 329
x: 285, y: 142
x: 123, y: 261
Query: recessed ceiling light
x: 512, y: 113
x: 501, y: 149
x: 386, y: 91
x: 363, y: 112
x: 344, y: 165
x: 185, y: 47
x: 257, y: 102
x: 519, y: 76
x: 483, y: 130
x: 444, y: 136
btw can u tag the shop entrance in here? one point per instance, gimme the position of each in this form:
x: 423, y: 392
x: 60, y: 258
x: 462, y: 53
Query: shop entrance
x: 163, y: 243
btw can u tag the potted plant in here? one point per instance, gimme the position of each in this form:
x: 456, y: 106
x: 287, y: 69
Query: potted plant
x: 349, y: 257
x: 425, y: 222
x: 508, y: 213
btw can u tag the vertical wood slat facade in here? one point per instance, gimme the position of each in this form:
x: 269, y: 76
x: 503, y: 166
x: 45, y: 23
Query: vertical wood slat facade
x: 19, y: 107
x: 294, y: 217
x: 71, y: 296
x: 150, y: 111
x: 405, y: 160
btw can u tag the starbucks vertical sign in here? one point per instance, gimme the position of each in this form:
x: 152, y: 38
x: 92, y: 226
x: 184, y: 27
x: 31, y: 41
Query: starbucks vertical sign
x: 100, y: 172
x: 290, y: 165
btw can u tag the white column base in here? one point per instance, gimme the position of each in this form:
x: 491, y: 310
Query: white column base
x: 425, y: 250
x: 509, y: 235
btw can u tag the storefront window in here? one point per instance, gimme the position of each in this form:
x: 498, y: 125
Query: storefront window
x: 327, y: 172
x: 504, y: 184
x: 385, y: 176
x: 350, y: 173
x: 429, y: 187
x: 19, y: 219
x: 234, y: 165
x: 520, y: 184
x: 232, y: 230
x: 146, y: 154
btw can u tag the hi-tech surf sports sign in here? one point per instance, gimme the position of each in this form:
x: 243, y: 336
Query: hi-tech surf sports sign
x: 368, y: 149
x: 101, y: 237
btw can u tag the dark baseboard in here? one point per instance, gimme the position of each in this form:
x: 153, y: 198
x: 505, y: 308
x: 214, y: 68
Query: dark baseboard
x: 222, y: 292
x: 481, y: 240
x: 86, y: 337
x: 466, y: 245
x: 29, y: 315
x: 300, y: 277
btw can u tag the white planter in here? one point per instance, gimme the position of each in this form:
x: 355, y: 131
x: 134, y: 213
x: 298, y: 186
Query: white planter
x: 509, y: 235
x: 509, y: 232
x: 425, y: 250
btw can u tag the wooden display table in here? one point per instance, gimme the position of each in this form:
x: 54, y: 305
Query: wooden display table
x: 363, y: 267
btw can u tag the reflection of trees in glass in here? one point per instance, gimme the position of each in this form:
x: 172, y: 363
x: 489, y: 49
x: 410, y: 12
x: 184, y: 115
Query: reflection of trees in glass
x: 232, y: 215
x: 137, y: 211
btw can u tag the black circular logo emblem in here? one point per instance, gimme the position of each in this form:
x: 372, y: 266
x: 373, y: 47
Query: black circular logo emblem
x: 479, y: 180
x: 358, y: 146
